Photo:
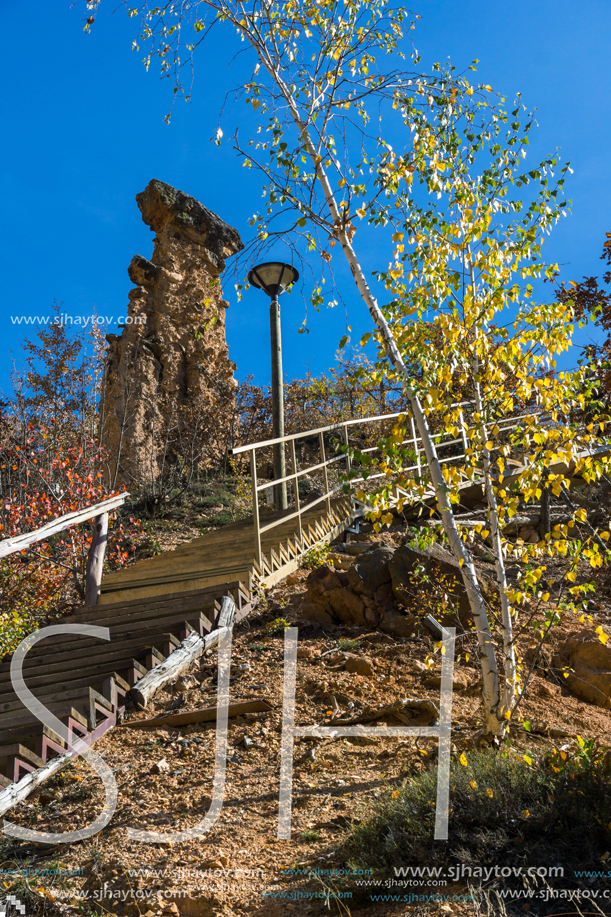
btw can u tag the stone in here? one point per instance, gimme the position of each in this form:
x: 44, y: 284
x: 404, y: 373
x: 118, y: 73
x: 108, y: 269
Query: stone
x: 460, y: 681
x: 320, y: 582
x: 306, y: 652
x: 198, y: 907
x: 358, y: 665
x: 160, y: 767
x: 185, y: 683
x: 370, y: 571
x: 168, y: 373
x: 316, y: 613
x: 347, y: 606
x: 292, y: 579
x: 590, y: 661
x: 439, y: 566
x: 398, y: 623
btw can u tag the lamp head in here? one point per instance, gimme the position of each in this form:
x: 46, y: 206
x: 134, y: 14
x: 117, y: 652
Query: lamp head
x: 273, y: 277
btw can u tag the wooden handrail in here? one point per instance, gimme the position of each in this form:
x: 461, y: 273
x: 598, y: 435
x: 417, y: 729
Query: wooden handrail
x: 97, y: 549
x: 20, y: 542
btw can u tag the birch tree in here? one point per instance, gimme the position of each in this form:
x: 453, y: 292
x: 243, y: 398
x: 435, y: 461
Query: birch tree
x: 334, y: 105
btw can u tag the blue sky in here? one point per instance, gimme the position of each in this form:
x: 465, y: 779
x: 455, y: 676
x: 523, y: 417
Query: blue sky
x: 84, y: 133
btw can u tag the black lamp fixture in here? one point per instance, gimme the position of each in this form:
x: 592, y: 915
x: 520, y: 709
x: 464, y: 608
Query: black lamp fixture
x: 273, y: 277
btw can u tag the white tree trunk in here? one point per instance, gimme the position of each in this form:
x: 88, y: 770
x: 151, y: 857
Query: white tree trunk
x: 509, y: 682
x: 490, y: 690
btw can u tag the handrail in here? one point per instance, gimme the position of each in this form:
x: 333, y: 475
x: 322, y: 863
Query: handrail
x: 27, y: 539
x: 334, y: 426
x: 346, y: 454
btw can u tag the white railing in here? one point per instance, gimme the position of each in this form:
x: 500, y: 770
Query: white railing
x: 325, y: 465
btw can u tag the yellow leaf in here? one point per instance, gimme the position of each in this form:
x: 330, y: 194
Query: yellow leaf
x: 470, y: 91
x: 395, y: 794
x: 463, y: 759
x: 528, y: 759
x: 473, y: 783
x: 489, y: 793
x: 525, y: 813
x: 489, y: 444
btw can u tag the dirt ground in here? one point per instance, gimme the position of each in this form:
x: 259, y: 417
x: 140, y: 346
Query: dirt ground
x: 240, y: 867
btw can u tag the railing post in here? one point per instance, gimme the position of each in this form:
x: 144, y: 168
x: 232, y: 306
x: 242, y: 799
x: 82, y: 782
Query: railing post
x: 323, y: 459
x: 415, y: 438
x: 348, y: 462
x: 255, y: 504
x: 296, y: 491
x: 95, y: 559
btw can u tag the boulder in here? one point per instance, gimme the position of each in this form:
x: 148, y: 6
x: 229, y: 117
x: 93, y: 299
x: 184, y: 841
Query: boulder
x: 316, y: 613
x: 398, y: 623
x: 590, y: 661
x: 371, y: 571
x: 409, y: 564
x: 360, y: 665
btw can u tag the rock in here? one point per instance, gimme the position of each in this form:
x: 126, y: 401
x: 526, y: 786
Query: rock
x: 306, y: 652
x: 315, y: 612
x: 545, y: 689
x: 160, y: 767
x: 348, y: 607
x: 529, y: 536
x: 357, y: 549
x: 320, y: 582
x: 185, y: 683
x: 199, y: 907
x: 311, y: 497
x: 370, y: 571
x: 398, y: 623
x: 441, y: 570
x: 590, y: 661
x: 460, y: 681
x: 169, y: 371
x: 292, y: 579
x: 358, y: 665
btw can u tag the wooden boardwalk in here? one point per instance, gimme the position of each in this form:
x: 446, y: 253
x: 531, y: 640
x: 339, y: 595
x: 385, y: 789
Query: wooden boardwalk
x: 229, y: 554
x: 149, y: 608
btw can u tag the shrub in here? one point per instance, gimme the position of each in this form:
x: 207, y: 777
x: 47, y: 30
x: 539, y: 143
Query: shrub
x: 502, y: 811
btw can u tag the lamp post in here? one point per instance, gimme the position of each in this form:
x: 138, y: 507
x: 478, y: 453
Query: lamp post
x: 273, y: 277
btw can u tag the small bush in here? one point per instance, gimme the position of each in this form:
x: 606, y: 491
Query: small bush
x: 349, y: 645
x: 501, y: 811
x: 223, y: 518
x: 316, y: 556
x: 217, y: 498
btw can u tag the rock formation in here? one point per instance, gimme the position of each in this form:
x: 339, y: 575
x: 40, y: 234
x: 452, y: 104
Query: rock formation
x: 391, y: 589
x: 169, y: 389
x: 584, y: 666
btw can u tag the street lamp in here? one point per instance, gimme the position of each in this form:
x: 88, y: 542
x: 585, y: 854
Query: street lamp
x: 273, y: 277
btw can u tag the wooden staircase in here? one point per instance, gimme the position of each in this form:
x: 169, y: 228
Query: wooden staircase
x: 229, y: 553
x: 149, y: 608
